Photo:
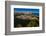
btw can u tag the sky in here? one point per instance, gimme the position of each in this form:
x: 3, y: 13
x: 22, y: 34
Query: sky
x: 26, y: 10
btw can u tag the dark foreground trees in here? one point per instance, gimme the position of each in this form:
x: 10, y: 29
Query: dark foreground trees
x: 26, y: 23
